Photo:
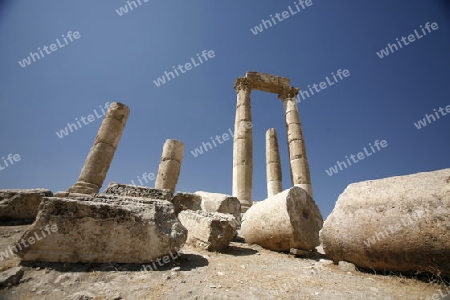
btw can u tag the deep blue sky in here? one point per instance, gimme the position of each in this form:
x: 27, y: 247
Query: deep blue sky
x: 118, y: 57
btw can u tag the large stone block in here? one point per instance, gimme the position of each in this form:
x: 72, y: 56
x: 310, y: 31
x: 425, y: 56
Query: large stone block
x: 398, y: 223
x: 210, y: 231
x: 186, y: 201
x: 102, y: 230
x: 222, y: 203
x: 266, y: 82
x: 290, y: 219
x: 21, y: 204
x: 129, y: 190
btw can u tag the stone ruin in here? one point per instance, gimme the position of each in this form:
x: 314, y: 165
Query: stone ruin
x: 136, y: 224
x: 243, y: 139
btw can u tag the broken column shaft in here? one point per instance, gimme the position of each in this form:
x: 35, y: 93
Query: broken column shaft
x: 170, y: 165
x: 273, y: 165
x: 102, y: 152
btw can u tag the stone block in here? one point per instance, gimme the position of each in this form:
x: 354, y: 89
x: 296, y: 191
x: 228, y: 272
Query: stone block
x: 186, y: 201
x: 21, y: 204
x: 399, y: 224
x: 102, y: 230
x: 290, y: 219
x: 129, y: 190
x: 209, y: 231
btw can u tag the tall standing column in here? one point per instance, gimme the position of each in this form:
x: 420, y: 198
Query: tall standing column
x: 273, y: 165
x: 243, y: 145
x: 102, y: 152
x: 300, y: 175
x: 170, y: 165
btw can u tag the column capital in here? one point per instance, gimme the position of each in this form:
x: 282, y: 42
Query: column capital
x: 242, y: 83
x: 289, y: 93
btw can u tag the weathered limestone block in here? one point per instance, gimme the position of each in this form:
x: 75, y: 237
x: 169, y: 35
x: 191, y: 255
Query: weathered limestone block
x: 185, y: 201
x: 129, y: 190
x: 290, y: 219
x: 398, y: 223
x: 266, y: 82
x: 102, y: 230
x: 209, y: 231
x: 222, y: 203
x: 21, y: 204
x: 170, y: 165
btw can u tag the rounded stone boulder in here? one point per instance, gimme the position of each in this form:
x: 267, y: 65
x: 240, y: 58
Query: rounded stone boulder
x: 398, y: 224
x: 290, y: 219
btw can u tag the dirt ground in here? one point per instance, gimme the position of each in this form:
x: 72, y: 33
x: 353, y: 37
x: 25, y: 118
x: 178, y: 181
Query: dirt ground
x: 241, y: 272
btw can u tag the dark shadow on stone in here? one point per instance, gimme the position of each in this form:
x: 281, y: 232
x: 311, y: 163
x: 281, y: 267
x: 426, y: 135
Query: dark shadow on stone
x: 12, y: 222
x: 186, y: 262
x: 238, y: 251
x: 189, y: 262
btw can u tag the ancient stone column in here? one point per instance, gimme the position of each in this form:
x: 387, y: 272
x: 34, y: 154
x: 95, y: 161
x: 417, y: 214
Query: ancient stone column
x: 300, y: 175
x: 243, y: 145
x: 273, y: 165
x: 102, y: 152
x: 170, y: 165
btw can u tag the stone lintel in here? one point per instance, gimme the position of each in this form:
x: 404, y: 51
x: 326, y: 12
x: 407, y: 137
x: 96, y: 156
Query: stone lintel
x: 267, y: 83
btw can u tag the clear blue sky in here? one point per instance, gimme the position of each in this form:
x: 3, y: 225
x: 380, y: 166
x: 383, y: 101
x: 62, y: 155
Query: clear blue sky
x: 117, y: 58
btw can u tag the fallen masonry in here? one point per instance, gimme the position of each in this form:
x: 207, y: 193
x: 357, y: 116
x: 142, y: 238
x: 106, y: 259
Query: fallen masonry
x: 105, y: 229
x: 209, y: 231
x: 290, y: 219
x: 21, y: 204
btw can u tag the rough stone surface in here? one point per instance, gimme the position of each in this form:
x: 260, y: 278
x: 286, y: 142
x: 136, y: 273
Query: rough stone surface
x: 185, y: 201
x: 128, y: 190
x: 398, y: 223
x: 209, y: 231
x: 346, y: 266
x: 11, y: 276
x: 222, y: 203
x: 290, y: 219
x: 21, y: 204
x: 267, y: 82
x: 103, y: 230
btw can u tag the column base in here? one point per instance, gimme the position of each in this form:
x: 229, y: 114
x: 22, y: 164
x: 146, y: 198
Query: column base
x: 245, y: 205
x: 84, y: 188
